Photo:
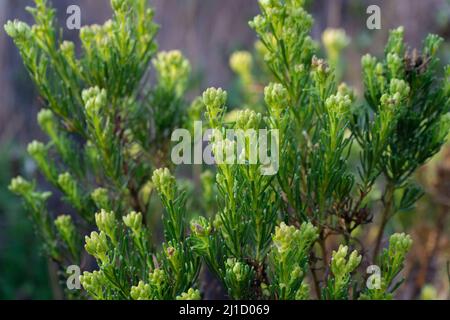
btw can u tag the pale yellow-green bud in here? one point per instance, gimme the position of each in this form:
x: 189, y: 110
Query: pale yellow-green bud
x: 277, y: 98
x: 395, y: 42
x: 20, y: 186
x: 214, y: 100
x: 141, y: 292
x: 65, y: 179
x: 248, y: 119
x: 237, y: 269
x: 394, y: 64
x: 340, y: 266
x: 48, y: 123
x: 399, y: 244
x: 97, y: 245
x: 192, y: 294
x: 289, y: 239
x: 338, y: 261
x: 379, y: 69
x: 118, y: 5
x: 284, y: 236
x: 338, y: 105
x: 45, y: 118
x: 64, y: 224
x: 353, y: 261
x: 18, y: 30
x: 173, y: 69
x: 133, y: 221
x: 100, y: 197
x: 94, y: 100
x: 399, y: 91
x: 36, y: 149
x: 308, y: 232
x: 87, y: 35
x: 368, y: 62
x: 399, y: 86
x: 92, y: 282
x: 68, y: 50
x: 432, y: 44
x: 157, y: 277
x: 258, y: 23
x: 106, y: 222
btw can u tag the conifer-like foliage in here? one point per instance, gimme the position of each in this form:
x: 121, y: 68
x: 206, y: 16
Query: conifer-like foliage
x: 109, y: 129
x: 292, y: 235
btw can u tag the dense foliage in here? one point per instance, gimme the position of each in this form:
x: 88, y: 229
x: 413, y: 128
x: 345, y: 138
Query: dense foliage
x: 109, y: 118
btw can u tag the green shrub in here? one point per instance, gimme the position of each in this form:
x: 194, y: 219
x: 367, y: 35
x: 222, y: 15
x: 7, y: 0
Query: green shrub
x: 269, y: 236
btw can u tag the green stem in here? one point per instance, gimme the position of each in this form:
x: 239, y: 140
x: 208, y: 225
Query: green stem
x: 386, y: 214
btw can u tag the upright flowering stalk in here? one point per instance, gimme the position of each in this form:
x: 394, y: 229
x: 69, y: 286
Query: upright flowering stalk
x: 296, y: 233
x: 409, y: 103
x: 130, y: 267
x: 288, y: 261
x: 107, y: 131
x: 321, y: 128
x: 392, y: 262
x: 235, y: 244
x: 341, y: 267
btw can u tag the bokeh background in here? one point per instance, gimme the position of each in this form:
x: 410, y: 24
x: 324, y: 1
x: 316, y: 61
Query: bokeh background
x: 208, y: 32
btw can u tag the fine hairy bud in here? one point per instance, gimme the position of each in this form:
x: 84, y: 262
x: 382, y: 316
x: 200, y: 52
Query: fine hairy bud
x: 341, y: 164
